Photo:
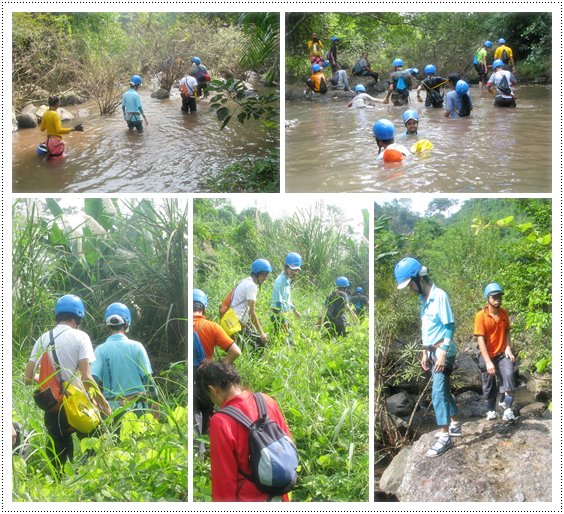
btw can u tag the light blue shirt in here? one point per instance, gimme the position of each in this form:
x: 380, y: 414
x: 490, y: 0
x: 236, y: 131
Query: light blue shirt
x: 281, y: 294
x: 435, y: 315
x: 131, y: 103
x: 453, y: 103
x: 122, y: 365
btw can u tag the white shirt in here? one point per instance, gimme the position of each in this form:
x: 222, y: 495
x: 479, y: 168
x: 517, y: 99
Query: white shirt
x: 394, y: 146
x: 363, y: 100
x: 244, y: 292
x: 71, y: 345
x: 191, y: 84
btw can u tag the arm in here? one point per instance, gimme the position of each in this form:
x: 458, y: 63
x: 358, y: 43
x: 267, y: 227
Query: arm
x: 254, y: 319
x: 508, y: 351
x: 59, y: 129
x: 425, y: 360
x: 490, y: 368
x: 223, y: 459
x: 92, y: 387
x: 390, y: 89
x: 29, y: 374
x: 233, y: 353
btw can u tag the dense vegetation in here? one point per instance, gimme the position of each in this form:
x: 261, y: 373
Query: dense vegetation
x: 320, y: 384
x: 105, y: 251
x: 506, y: 241
x: 448, y: 40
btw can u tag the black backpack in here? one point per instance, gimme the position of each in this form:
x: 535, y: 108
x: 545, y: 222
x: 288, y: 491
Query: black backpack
x: 466, y: 107
x: 272, y: 454
x: 504, y: 56
x: 503, y: 86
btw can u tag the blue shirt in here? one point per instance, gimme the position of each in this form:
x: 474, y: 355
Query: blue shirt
x: 453, y: 103
x: 435, y: 315
x: 281, y: 294
x: 131, y: 103
x: 122, y: 365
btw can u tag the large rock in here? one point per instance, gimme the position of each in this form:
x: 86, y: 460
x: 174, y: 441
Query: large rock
x: 72, y: 98
x: 494, y: 461
x: 29, y: 109
x: 26, y: 120
x: 533, y: 410
x: 540, y: 386
x: 160, y: 94
x: 41, y: 110
x: 400, y: 404
x: 393, y: 475
x: 64, y: 114
x: 466, y: 375
x: 471, y: 405
x: 14, y: 122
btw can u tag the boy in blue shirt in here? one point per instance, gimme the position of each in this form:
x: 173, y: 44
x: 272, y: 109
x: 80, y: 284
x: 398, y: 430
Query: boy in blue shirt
x: 131, y: 105
x: 439, y: 349
x: 281, y: 303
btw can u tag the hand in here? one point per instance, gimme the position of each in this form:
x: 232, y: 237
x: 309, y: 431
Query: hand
x: 425, y: 362
x: 146, y: 122
x: 509, y: 354
x: 263, y: 337
x: 386, y: 101
x: 490, y: 368
x: 79, y: 127
x: 297, y: 314
x: 440, y: 362
x: 419, y: 99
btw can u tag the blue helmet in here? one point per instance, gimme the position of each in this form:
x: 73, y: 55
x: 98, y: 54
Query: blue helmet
x: 488, y: 44
x: 497, y: 63
x: 501, y: 41
x: 359, y: 88
x: 413, y: 71
x: 342, y: 282
x: 199, y: 296
x: 410, y: 114
x: 492, y: 288
x: 430, y: 69
x: 326, y: 64
x: 135, y: 80
x: 315, y: 68
x: 334, y: 38
x: 117, y: 314
x: 359, y: 290
x: 293, y: 261
x: 196, y: 60
x: 261, y: 265
x: 397, y: 63
x: 407, y: 269
x: 383, y: 130
x: 70, y: 304
x: 461, y: 87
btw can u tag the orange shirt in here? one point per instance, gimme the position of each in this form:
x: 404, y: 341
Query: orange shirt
x: 211, y: 335
x: 493, y: 329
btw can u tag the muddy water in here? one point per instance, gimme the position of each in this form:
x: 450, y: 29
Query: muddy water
x: 176, y: 153
x: 496, y: 150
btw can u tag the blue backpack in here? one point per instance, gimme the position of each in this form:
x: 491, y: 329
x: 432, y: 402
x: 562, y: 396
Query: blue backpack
x: 199, y: 354
x: 272, y: 454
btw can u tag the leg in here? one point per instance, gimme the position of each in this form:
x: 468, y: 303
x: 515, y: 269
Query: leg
x: 139, y: 125
x: 192, y: 104
x: 185, y: 103
x: 489, y: 387
x: 59, y: 431
x: 507, y: 384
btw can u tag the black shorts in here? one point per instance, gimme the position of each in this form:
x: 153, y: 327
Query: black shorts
x: 481, y: 70
x: 504, y: 101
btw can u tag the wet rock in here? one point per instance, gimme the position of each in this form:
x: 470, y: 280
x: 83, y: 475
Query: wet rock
x: 29, y: 109
x: 64, y: 114
x: 533, y: 410
x: 160, y: 94
x: 485, y: 464
x: 393, y: 475
x: 292, y: 123
x: 72, y: 98
x: 41, y: 110
x: 82, y: 113
x: 400, y: 404
x: 26, y: 120
x: 466, y: 375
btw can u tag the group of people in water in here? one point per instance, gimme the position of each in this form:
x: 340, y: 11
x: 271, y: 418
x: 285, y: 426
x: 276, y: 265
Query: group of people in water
x: 192, y: 86
x: 456, y: 102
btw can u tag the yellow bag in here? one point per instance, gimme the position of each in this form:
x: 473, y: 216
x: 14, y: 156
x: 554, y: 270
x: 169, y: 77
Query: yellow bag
x: 81, y: 412
x: 230, y: 322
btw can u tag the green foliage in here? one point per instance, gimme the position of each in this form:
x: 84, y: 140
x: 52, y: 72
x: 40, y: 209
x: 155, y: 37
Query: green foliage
x: 326, y: 401
x: 136, y: 460
x: 249, y: 176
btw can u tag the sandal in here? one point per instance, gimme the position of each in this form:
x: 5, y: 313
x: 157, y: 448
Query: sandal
x: 441, y: 445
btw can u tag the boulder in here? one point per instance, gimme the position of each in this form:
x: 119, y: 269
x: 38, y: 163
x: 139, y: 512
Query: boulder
x: 466, y: 375
x: 486, y: 464
x: 470, y: 404
x: 160, y: 94
x: 14, y: 122
x: 533, y: 410
x: 72, y: 98
x: 64, y: 114
x: 540, y: 386
x: 26, y: 120
x: 400, y: 404
x: 29, y: 109
x: 393, y: 475
x: 41, y: 110
x: 291, y: 123
x: 82, y: 113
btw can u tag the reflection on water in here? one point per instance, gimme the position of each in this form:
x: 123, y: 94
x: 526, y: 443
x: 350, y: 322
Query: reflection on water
x: 496, y: 150
x: 176, y: 153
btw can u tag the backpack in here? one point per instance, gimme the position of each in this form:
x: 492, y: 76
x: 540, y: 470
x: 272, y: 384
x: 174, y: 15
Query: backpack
x: 272, y: 454
x: 199, y: 354
x: 357, y: 68
x: 503, y: 86
x: 185, y: 90
x: 323, y: 85
x: 49, y: 394
x: 201, y: 75
x: 504, y: 56
x: 466, y: 107
x: 400, y: 85
x: 475, y: 58
x: 224, y: 307
x: 436, y: 98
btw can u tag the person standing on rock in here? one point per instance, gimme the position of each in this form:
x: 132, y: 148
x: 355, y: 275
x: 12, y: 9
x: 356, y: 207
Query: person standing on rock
x: 51, y: 122
x: 132, y: 107
x: 439, y: 349
x: 491, y: 328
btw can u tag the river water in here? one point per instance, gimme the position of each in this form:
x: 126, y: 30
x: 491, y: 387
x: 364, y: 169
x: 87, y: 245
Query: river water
x: 176, y: 152
x: 495, y: 150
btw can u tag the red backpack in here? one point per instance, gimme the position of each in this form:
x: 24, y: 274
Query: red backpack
x: 49, y: 394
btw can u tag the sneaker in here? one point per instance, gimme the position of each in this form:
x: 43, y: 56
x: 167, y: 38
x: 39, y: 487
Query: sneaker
x: 492, y: 414
x: 508, y: 415
x: 441, y: 445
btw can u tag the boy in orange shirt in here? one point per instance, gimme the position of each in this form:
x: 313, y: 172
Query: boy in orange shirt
x: 491, y: 327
